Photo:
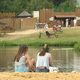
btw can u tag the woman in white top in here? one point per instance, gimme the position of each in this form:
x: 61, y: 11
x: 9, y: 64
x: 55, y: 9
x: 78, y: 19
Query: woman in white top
x: 48, y: 54
x: 43, y: 61
x: 23, y: 63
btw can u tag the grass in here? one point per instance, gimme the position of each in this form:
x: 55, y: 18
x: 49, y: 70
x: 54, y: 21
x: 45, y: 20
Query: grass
x: 70, y: 37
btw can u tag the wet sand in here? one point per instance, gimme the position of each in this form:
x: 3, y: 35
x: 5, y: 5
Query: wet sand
x: 39, y: 76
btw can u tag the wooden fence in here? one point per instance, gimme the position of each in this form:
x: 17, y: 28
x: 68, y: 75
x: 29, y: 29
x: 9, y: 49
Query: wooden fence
x: 7, y: 15
x: 19, y: 23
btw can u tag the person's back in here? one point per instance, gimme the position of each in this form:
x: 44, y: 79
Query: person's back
x: 42, y: 61
x: 42, y: 64
x: 48, y: 54
x: 21, y: 66
x: 49, y: 57
x: 23, y: 62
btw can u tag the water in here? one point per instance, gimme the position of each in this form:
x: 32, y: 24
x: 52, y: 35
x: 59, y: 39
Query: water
x: 66, y: 59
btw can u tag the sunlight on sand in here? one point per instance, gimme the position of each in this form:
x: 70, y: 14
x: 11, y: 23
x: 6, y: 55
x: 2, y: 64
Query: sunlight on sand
x: 39, y: 76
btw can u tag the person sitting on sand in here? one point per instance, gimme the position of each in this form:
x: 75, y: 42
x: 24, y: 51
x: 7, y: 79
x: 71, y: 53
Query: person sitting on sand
x: 23, y: 62
x: 43, y: 61
x: 48, y: 54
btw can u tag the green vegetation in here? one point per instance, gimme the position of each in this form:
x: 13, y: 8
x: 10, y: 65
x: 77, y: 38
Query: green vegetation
x: 30, y: 5
x: 77, y: 46
x: 70, y: 37
x: 66, y: 5
x: 39, y: 42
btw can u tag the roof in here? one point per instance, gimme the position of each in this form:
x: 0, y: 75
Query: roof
x: 63, y: 16
x: 24, y: 14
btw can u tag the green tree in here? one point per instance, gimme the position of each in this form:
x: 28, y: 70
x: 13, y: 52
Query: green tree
x: 30, y: 5
x: 66, y: 5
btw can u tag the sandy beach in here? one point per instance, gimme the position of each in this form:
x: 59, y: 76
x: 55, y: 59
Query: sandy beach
x: 39, y: 76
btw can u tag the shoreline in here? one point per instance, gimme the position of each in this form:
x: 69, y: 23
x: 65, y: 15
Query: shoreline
x: 39, y: 76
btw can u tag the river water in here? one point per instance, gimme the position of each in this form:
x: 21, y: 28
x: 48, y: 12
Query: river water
x: 66, y: 59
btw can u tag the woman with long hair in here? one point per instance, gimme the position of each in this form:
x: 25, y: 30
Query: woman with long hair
x: 42, y: 64
x: 23, y: 62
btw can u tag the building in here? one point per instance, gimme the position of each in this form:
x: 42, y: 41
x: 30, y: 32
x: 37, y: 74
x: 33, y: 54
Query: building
x: 25, y: 21
x: 69, y: 19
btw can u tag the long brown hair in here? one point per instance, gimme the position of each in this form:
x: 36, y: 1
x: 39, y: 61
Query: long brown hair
x: 22, y: 51
x: 43, y: 51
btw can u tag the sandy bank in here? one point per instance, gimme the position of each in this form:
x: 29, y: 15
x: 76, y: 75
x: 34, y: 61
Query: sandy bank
x: 39, y: 76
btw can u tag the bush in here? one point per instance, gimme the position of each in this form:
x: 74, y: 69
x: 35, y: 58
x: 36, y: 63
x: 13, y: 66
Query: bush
x: 77, y: 46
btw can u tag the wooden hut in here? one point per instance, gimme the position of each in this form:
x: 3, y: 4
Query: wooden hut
x: 25, y: 20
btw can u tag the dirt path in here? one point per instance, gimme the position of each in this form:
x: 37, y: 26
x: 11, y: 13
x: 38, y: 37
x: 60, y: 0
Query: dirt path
x: 19, y: 34
x: 26, y: 32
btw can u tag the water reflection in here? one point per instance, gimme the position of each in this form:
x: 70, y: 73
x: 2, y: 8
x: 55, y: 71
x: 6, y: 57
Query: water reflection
x: 66, y: 59
x: 63, y: 58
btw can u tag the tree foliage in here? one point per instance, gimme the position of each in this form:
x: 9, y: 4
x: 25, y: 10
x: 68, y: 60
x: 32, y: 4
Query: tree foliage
x: 30, y: 5
x: 66, y: 5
